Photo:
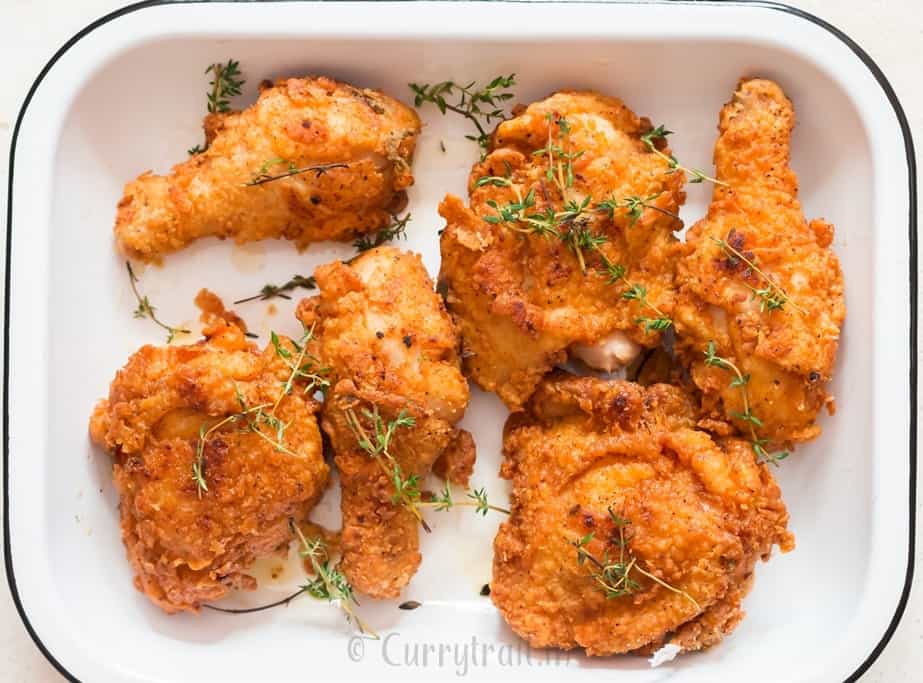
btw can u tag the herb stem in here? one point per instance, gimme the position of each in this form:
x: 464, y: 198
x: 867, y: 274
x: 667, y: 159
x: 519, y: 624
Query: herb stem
x: 146, y: 310
x: 696, y: 174
x: 663, y: 583
x: 377, y: 445
x: 741, y: 381
x: 271, y: 291
x: 334, y: 587
x: 729, y: 249
x: 263, y: 176
x: 249, y: 610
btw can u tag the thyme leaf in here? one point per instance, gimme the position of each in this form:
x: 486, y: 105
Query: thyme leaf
x: 146, y: 310
x: 397, y: 229
x: 480, y: 105
x: 263, y: 176
x: 270, y: 291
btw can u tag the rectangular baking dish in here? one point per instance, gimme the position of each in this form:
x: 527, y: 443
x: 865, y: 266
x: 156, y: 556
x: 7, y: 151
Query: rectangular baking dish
x: 127, y: 94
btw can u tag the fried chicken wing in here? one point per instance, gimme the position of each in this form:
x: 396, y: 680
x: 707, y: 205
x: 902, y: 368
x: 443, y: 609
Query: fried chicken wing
x: 363, y: 138
x: 758, y: 281
x: 207, y: 484
x: 569, y: 213
x: 392, y: 354
x: 630, y: 529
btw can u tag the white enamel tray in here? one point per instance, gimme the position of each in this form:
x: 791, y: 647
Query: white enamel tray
x: 128, y: 93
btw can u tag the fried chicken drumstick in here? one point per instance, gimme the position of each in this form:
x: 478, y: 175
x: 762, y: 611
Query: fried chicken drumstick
x: 356, y: 144
x: 397, y: 392
x: 206, y: 480
x: 630, y: 529
x: 564, y: 247
x: 758, y: 283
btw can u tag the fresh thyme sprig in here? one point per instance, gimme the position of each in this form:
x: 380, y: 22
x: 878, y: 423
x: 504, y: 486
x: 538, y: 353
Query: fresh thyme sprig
x: 634, y: 206
x: 302, y: 366
x: 263, y: 175
x: 375, y: 440
x: 146, y: 310
x: 772, y: 297
x: 226, y: 83
x: 741, y: 381
x: 271, y: 291
x: 638, y: 293
x: 198, y: 465
x: 560, y: 158
x: 330, y: 583
x: 614, y: 577
x: 514, y: 215
x: 477, y: 499
x: 396, y: 230
x: 695, y: 175
x: 481, y: 106
x: 572, y: 224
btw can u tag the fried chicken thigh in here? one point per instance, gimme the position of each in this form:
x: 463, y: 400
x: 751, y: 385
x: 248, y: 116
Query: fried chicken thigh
x: 525, y: 297
x: 759, y: 281
x: 392, y: 354
x: 296, y: 123
x: 630, y: 529
x: 168, y: 423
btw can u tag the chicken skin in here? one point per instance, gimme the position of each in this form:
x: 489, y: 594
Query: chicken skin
x: 392, y: 354
x: 758, y: 282
x: 630, y: 529
x: 564, y: 247
x: 359, y: 142
x: 207, y: 483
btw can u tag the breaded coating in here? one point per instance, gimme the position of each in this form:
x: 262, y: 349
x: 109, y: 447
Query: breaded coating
x: 616, y: 473
x: 523, y: 301
x: 391, y: 349
x: 785, y: 338
x: 297, y: 122
x: 213, y: 310
x: 188, y: 545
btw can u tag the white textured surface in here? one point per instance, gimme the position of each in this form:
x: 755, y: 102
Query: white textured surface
x: 31, y: 30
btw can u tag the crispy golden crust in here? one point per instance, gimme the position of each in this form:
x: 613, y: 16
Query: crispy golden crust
x: 521, y: 301
x: 187, y: 548
x: 380, y: 543
x: 214, y: 311
x: 304, y: 121
x: 701, y: 513
x: 389, y: 343
x: 456, y: 463
x: 789, y: 352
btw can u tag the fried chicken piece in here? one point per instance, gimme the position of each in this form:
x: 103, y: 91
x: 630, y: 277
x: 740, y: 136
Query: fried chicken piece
x: 759, y: 281
x: 190, y: 543
x: 392, y: 353
x: 214, y: 310
x: 616, y: 474
x: 524, y: 300
x: 296, y: 123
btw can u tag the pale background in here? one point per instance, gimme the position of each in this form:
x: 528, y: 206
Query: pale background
x: 891, y: 31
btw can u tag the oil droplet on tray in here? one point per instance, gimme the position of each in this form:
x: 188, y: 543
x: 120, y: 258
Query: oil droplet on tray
x: 248, y: 258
